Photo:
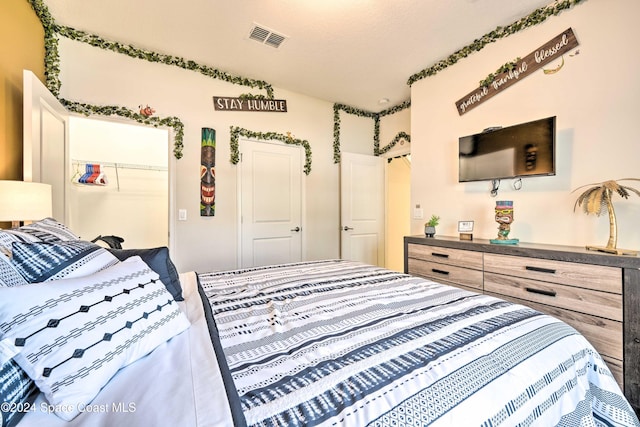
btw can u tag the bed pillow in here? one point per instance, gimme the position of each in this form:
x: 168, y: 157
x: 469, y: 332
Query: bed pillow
x: 9, y: 275
x: 17, y: 390
x: 160, y: 262
x: 9, y: 237
x: 44, y: 261
x: 72, y: 336
x: 49, y: 230
x: 45, y: 230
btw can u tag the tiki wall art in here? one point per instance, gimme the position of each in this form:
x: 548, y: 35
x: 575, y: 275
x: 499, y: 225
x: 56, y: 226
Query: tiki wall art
x: 207, y: 173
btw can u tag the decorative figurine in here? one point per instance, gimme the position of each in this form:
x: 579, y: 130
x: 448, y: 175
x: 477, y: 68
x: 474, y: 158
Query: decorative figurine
x: 596, y: 199
x: 504, y: 217
x: 146, y: 111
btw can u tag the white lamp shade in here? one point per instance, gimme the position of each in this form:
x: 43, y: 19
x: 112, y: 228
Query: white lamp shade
x: 24, y: 201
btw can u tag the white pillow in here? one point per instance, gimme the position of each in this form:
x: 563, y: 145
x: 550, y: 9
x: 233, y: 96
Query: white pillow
x: 71, y: 336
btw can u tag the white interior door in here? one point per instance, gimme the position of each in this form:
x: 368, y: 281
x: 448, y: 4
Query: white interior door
x: 46, y: 129
x: 362, y: 208
x: 270, y: 203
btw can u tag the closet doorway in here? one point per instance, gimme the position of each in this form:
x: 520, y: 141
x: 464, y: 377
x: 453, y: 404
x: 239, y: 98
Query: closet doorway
x: 134, y: 203
x: 398, y: 208
x: 119, y: 181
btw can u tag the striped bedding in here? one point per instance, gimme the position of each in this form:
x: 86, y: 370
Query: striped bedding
x: 339, y: 343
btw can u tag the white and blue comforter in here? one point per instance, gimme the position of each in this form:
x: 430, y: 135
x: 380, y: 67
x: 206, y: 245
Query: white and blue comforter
x: 337, y: 343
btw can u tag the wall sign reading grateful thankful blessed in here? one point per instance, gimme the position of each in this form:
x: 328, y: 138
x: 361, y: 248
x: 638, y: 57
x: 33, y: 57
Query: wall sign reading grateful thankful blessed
x: 222, y: 103
x: 550, y: 51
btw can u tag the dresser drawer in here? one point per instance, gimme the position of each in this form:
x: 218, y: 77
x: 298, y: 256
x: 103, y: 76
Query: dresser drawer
x: 601, y: 278
x: 604, y: 334
x: 601, y: 304
x: 459, y: 257
x: 446, y: 273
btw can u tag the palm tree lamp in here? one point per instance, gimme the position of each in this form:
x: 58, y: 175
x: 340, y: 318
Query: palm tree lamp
x: 597, y: 200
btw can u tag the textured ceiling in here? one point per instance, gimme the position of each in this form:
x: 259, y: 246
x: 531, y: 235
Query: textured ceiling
x: 353, y: 52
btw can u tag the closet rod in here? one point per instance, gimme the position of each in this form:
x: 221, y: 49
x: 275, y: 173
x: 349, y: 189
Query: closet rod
x: 121, y: 165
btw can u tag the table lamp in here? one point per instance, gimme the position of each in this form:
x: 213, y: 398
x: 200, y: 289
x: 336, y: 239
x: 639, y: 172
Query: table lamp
x: 24, y: 201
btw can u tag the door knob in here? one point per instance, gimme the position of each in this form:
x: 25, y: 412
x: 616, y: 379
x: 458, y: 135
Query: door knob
x: 296, y: 229
x: 347, y: 228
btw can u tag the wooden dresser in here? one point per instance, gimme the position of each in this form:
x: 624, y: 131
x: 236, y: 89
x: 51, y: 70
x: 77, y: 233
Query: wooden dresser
x: 596, y: 293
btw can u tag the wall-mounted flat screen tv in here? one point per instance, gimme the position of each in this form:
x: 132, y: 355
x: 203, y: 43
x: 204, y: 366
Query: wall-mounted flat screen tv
x: 526, y: 149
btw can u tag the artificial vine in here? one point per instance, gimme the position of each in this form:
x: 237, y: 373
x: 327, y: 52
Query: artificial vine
x: 536, y: 17
x: 51, y: 55
x: 509, y: 66
x: 376, y: 135
x: 150, y: 56
x: 110, y: 110
x: 362, y: 113
x: 53, y: 83
x: 52, y: 73
x: 236, y: 132
x: 400, y: 136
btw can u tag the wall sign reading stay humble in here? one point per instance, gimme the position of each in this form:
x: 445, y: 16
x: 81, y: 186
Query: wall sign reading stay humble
x: 550, y: 51
x: 222, y: 103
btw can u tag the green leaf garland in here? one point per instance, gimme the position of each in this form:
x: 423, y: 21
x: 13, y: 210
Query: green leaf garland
x: 503, y: 69
x: 362, y: 113
x: 51, y: 56
x: 536, y: 17
x: 110, y: 110
x: 52, y: 73
x: 398, y: 137
x: 53, y: 83
x: 150, y: 56
x: 236, y: 132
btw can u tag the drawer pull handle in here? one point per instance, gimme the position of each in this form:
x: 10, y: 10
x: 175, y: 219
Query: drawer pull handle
x: 439, y: 255
x: 540, y: 269
x: 541, y: 292
x: 435, y: 270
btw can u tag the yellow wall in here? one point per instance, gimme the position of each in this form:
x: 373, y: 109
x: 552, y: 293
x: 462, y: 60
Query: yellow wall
x: 21, y: 46
x: 398, y: 211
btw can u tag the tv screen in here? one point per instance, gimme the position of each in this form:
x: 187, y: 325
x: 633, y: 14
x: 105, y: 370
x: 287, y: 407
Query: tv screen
x: 526, y: 149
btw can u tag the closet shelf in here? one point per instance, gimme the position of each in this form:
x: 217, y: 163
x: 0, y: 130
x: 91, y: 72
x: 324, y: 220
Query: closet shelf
x: 119, y: 165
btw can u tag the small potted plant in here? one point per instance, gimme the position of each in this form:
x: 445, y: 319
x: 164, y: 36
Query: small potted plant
x: 430, y: 226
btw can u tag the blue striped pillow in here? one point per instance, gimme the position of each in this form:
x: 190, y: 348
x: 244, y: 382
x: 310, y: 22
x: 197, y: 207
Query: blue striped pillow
x: 44, y: 261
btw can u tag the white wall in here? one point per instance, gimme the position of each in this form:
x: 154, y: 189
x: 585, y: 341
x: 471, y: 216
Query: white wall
x: 595, y: 99
x: 99, y: 77
x: 134, y: 202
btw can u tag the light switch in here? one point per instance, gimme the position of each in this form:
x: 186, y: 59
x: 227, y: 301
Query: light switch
x: 418, y: 212
x: 182, y: 214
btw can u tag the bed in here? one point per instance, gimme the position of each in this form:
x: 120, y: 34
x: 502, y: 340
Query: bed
x: 101, y: 337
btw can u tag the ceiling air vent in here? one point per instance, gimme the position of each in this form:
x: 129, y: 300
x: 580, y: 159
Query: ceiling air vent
x: 266, y: 36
